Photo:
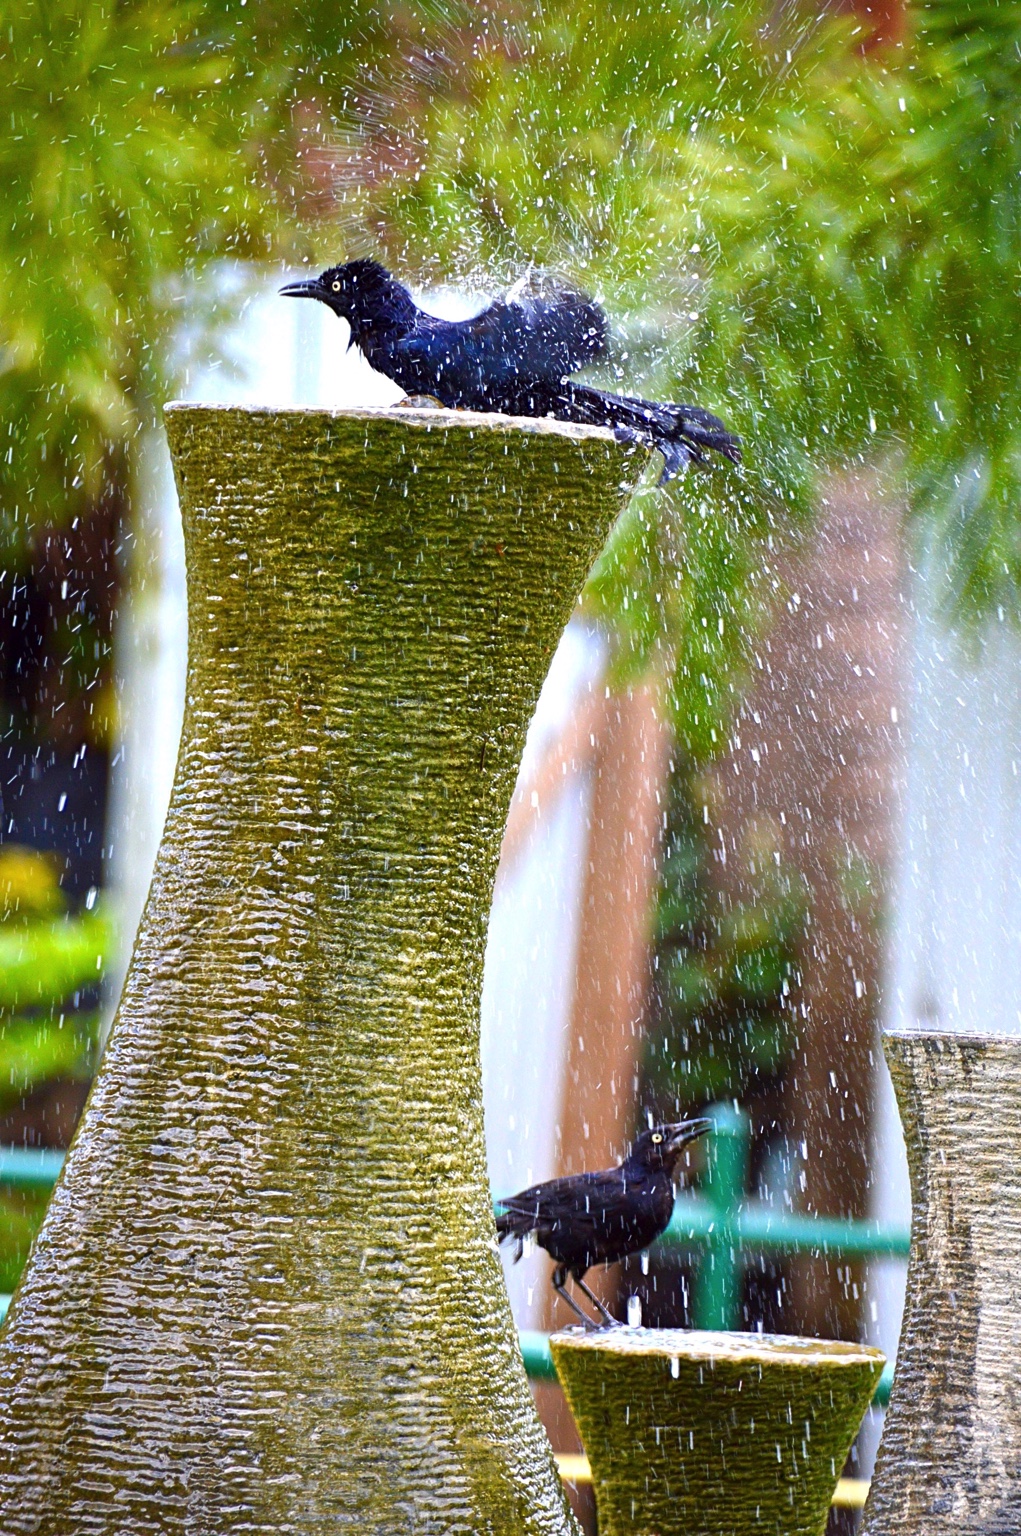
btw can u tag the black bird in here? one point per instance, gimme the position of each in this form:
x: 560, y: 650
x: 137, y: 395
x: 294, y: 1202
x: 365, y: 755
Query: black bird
x: 595, y: 1218
x: 515, y: 357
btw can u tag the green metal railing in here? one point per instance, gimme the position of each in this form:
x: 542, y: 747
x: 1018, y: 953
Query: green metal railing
x: 724, y: 1226
x: 717, y: 1223
x: 29, y: 1167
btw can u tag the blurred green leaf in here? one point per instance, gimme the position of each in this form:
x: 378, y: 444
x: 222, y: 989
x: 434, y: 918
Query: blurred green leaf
x: 29, y: 884
x: 21, y: 1213
x: 37, y: 1050
x: 45, y: 962
x: 724, y: 969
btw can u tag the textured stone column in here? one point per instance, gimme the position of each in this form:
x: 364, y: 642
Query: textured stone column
x: 266, y: 1297
x: 714, y: 1434
x: 950, y: 1457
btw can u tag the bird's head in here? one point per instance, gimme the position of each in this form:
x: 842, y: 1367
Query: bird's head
x: 363, y: 293
x: 661, y: 1145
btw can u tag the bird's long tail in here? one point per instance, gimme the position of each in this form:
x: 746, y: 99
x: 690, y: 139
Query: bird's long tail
x: 515, y: 1224
x: 682, y: 433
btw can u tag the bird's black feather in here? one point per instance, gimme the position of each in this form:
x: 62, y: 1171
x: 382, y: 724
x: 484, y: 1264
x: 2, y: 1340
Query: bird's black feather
x: 531, y: 337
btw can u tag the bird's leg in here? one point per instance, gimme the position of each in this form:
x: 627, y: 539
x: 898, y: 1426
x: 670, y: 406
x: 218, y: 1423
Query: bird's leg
x: 676, y: 459
x: 559, y: 1276
x: 608, y: 1316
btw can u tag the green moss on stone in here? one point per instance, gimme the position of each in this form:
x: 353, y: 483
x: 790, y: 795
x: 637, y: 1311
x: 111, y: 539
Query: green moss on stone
x: 950, y: 1457
x: 714, y: 1434
x: 267, y: 1295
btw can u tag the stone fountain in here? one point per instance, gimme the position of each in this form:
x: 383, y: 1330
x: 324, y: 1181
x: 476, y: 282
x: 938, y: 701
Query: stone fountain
x: 266, y: 1296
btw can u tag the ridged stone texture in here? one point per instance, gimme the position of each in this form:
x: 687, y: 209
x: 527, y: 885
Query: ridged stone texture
x: 714, y: 1434
x: 266, y: 1297
x: 950, y: 1458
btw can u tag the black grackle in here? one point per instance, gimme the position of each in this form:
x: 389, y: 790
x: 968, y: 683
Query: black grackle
x: 595, y: 1218
x: 515, y: 357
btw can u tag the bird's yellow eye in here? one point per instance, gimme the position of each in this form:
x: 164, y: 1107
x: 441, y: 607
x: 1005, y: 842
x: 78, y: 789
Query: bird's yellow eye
x: 657, y: 1137
x: 336, y: 287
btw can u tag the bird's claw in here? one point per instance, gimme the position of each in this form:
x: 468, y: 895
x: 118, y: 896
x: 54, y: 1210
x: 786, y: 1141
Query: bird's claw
x: 676, y: 459
x: 623, y: 434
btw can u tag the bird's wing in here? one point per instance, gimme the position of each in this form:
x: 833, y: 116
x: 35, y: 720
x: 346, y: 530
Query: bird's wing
x: 582, y: 1197
x: 541, y: 336
x: 535, y: 339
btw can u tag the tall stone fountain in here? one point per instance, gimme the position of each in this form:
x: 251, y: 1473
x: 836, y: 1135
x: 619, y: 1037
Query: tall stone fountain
x: 266, y: 1297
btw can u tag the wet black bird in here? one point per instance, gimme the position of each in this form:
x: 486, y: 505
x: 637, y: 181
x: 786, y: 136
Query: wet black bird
x: 516, y: 357
x: 594, y: 1218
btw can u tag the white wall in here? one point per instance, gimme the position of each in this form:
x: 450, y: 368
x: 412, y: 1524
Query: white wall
x: 528, y: 992
x: 956, y: 945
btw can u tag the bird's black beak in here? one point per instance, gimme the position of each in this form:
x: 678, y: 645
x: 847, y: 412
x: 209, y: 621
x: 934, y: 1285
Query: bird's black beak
x: 312, y: 288
x: 684, y: 1131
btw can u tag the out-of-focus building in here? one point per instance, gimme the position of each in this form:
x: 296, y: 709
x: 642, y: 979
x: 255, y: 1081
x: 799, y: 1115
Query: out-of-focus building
x: 818, y: 752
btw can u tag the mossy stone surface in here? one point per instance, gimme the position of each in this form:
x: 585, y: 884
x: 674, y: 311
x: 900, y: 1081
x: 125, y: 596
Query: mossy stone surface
x: 950, y: 1457
x: 714, y: 1434
x: 267, y: 1296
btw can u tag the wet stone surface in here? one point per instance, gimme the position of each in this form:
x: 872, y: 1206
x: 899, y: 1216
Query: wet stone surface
x: 714, y: 1434
x: 950, y: 1456
x: 266, y: 1297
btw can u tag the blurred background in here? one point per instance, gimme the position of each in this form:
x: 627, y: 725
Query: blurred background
x: 769, y: 803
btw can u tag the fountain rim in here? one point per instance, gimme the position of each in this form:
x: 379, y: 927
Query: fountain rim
x: 412, y: 416
x: 706, y: 1346
x: 954, y: 1037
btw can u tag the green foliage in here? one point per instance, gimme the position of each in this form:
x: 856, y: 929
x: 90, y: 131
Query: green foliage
x: 47, y: 958
x: 46, y: 961
x: 141, y: 141
x: 106, y: 173
x: 726, y: 969
x: 21, y: 1212
x: 42, y: 963
x: 823, y: 244
x: 682, y: 587
x: 900, y: 195
x: 39, y: 1049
